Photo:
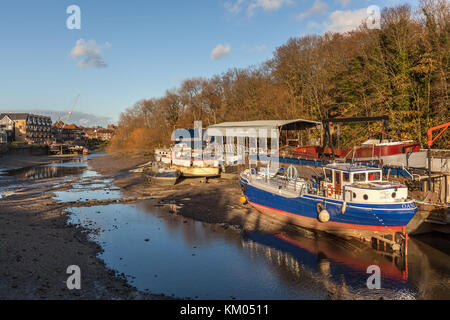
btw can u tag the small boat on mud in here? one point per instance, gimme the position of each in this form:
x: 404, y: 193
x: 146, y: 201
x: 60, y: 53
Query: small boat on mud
x: 198, y: 172
x: 350, y: 200
x: 163, y: 176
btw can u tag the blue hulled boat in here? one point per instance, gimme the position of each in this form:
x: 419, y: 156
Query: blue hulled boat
x: 349, y: 200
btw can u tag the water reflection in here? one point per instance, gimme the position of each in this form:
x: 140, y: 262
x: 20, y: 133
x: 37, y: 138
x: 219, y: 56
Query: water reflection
x: 338, y: 265
x: 185, y: 258
x: 46, y: 172
x: 170, y: 254
x: 58, y: 172
x: 193, y: 259
x: 429, y: 268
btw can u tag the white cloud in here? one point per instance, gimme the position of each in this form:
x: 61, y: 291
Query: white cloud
x: 344, y: 21
x: 261, y: 48
x: 317, y: 7
x: 344, y: 3
x: 266, y: 5
x: 90, y: 53
x: 220, y: 51
x: 234, y: 8
x: 314, y: 25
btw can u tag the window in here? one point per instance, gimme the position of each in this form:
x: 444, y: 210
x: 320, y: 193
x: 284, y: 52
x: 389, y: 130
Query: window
x: 328, y: 175
x: 346, y: 177
x: 359, y: 177
x: 337, y: 177
x: 374, y: 176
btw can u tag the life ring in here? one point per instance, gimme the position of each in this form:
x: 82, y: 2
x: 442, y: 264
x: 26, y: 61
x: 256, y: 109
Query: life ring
x: 330, y: 190
x: 292, y: 173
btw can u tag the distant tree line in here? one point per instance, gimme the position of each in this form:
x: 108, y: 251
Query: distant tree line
x: 401, y: 71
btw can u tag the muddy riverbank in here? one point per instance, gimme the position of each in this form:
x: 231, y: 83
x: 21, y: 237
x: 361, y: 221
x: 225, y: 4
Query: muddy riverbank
x: 218, y: 204
x: 193, y: 240
x: 217, y: 201
x: 37, y: 247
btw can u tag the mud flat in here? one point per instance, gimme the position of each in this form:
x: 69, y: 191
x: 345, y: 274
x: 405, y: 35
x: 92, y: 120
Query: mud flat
x: 37, y: 247
x: 216, y: 201
x: 81, y: 217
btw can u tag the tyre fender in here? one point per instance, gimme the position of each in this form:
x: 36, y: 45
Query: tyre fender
x: 322, y: 213
x: 319, y: 207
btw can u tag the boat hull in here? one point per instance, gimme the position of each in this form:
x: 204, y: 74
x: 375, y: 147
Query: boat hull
x: 159, y: 178
x: 163, y: 180
x: 192, y: 172
x: 358, y: 220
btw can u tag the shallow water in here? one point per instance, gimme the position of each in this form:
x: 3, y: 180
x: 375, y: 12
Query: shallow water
x: 163, y: 253
x: 167, y: 253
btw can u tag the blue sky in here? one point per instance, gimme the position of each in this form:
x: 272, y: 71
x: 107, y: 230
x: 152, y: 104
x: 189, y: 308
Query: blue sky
x: 138, y: 49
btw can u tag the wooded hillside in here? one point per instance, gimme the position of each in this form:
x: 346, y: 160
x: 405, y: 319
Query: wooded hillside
x: 401, y: 70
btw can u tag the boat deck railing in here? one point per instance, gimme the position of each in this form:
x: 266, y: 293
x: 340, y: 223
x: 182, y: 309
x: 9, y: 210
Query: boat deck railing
x: 298, y: 187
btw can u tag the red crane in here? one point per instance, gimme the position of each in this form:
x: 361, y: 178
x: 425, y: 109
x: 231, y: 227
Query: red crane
x: 430, y: 133
x: 431, y: 140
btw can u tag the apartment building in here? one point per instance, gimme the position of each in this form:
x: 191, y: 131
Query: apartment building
x: 27, y: 128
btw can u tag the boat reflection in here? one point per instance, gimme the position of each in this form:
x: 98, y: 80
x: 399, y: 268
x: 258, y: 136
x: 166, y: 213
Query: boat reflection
x: 339, y: 265
x: 48, y: 171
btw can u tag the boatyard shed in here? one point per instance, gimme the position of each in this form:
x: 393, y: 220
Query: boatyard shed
x: 288, y: 130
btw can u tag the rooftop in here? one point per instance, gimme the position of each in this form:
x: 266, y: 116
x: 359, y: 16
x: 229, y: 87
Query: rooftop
x: 21, y: 116
x: 350, y: 167
x: 248, y: 127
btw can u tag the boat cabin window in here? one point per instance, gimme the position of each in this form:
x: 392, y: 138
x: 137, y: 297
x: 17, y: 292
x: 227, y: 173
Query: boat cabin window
x: 359, y: 177
x: 328, y: 175
x: 374, y: 176
x: 346, y: 177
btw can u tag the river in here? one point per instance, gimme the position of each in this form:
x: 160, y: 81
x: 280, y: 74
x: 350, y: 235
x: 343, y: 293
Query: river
x: 159, y: 252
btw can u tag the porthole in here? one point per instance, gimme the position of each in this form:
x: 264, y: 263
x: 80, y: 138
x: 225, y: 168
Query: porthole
x: 366, y: 197
x: 354, y: 195
x: 394, y: 195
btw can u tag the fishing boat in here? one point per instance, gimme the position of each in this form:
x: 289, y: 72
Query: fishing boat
x: 349, y: 200
x: 369, y: 150
x: 163, y: 176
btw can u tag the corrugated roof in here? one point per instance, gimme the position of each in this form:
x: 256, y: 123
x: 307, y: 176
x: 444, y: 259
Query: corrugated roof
x: 244, y: 128
x: 266, y: 124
